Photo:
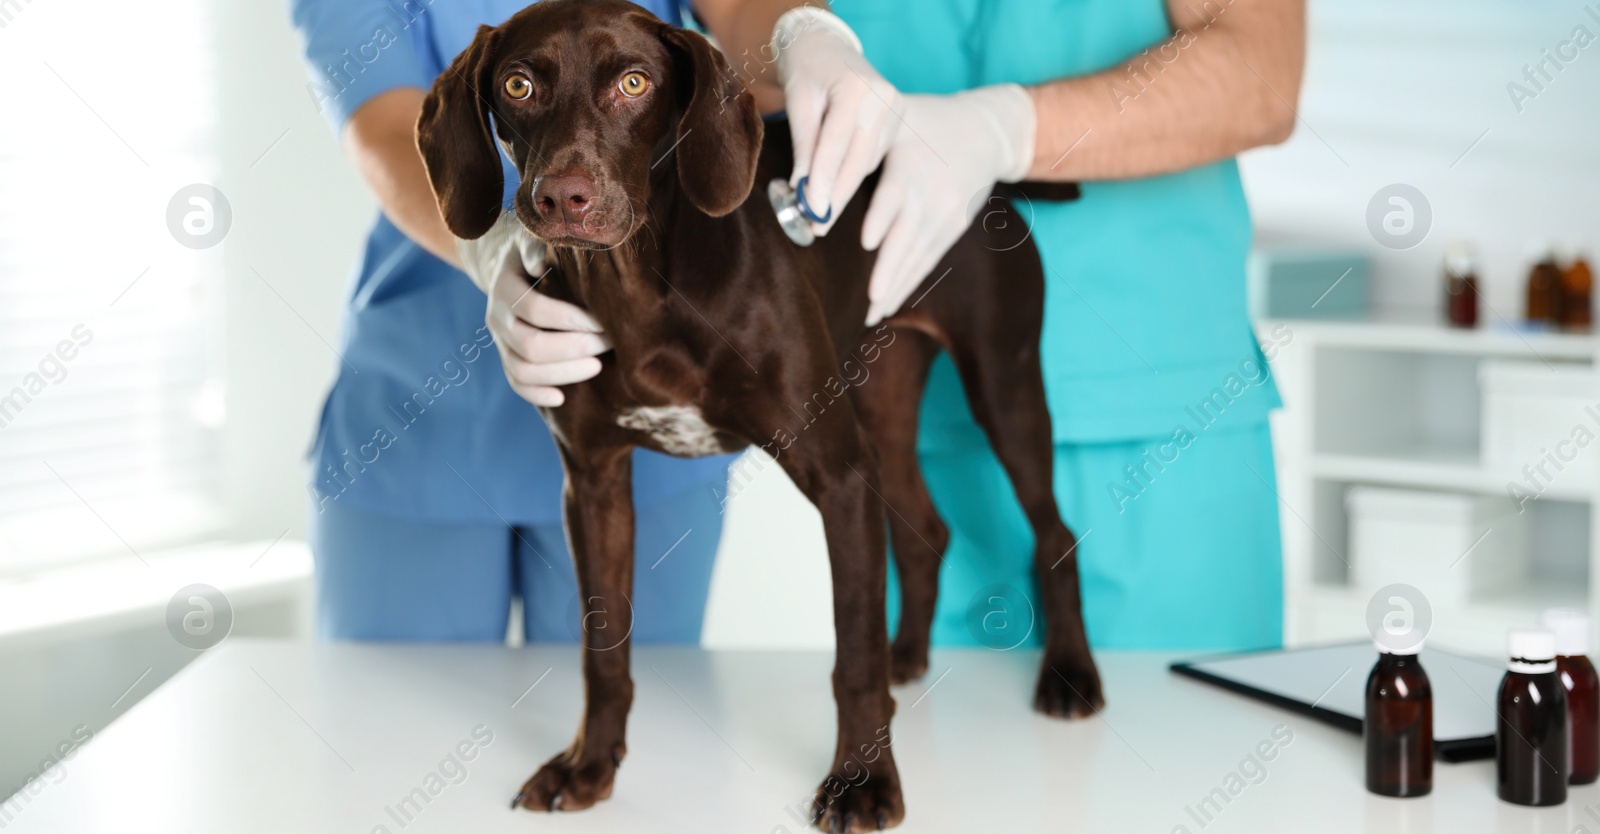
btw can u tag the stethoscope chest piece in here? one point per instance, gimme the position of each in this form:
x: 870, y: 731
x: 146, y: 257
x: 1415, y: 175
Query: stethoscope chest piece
x: 794, y: 214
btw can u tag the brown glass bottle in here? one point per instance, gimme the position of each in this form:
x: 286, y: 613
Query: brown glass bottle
x: 1578, y: 678
x: 1583, y: 714
x: 1544, y: 292
x: 1531, y: 735
x: 1398, y: 729
x: 1577, y: 290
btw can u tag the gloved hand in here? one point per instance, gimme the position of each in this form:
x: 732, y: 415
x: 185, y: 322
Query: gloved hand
x: 841, y: 111
x: 543, y: 342
x: 946, y: 158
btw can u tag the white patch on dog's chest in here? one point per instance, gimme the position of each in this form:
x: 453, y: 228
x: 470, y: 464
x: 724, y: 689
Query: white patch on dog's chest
x: 679, y: 429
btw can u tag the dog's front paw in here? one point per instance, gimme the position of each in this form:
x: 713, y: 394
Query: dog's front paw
x: 907, y: 661
x: 1069, y: 689
x: 870, y: 804
x: 571, y: 781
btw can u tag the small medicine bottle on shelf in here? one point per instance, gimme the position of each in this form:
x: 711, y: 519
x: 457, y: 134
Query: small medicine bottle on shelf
x: 1577, y: 295
x: 1530, y: 739
x: 1578, y: 677
x: 1544, y: 289
x: 1398, y: 726
x: 1461, y: 285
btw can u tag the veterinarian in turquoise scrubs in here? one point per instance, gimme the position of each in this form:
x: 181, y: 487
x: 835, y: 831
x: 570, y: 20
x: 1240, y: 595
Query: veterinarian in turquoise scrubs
x: 1158, y: 390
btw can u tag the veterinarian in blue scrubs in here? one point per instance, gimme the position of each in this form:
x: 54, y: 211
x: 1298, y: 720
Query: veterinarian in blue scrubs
x: 435, y: 488
x: 1158, y: 390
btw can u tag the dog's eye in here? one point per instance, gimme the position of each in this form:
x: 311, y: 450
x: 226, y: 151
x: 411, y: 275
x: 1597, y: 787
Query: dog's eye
x: 633, y: 84
x: 518, y: 87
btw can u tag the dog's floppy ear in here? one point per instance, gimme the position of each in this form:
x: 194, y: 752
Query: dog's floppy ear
x: 719, y: 131
x: 457, y: 144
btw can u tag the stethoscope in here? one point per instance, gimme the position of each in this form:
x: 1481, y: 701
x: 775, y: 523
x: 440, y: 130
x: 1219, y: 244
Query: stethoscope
x: 795, y: 215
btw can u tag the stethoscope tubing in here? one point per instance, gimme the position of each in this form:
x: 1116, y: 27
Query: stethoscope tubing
x: 805, y: 206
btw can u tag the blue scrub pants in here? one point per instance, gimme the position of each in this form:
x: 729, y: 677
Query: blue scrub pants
x: 386, y: 578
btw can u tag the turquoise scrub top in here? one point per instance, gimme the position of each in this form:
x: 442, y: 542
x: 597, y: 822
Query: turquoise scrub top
x: 1145, y: 295
x: 1145, y: 334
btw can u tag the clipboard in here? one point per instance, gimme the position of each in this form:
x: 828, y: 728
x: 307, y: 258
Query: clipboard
x: 1329, y: 683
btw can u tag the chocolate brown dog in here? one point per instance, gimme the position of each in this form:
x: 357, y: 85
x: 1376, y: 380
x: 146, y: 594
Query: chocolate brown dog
x: 637, y: 150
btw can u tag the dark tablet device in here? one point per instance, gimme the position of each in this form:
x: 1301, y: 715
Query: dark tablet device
x: 1329, y: 683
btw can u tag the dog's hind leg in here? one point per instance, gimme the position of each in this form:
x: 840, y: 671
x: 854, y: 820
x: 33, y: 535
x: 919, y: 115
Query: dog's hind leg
x: 1000, y: 369
x: 889, y: 376
x: 599, y: 516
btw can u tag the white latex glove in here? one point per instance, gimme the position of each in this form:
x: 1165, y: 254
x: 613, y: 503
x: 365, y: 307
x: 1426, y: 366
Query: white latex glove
x: 945, y: 160
x: 841, y: 111
x: 543, y: 342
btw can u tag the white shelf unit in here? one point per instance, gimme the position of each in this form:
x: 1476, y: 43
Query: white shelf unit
x: 1395, y: 401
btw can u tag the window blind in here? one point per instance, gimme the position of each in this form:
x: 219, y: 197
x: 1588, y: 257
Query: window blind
x: 110, y: 366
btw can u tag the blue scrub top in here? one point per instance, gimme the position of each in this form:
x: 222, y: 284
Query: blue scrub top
x: 420, y: 421
x: 1145, y: 320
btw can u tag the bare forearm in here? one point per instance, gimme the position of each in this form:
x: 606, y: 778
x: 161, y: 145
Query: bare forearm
x: 1225, y: 82
x: 743, y: 29
x: 381, y: 139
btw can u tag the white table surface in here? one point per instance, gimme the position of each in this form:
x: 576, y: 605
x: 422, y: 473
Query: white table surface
x: 276, y: 737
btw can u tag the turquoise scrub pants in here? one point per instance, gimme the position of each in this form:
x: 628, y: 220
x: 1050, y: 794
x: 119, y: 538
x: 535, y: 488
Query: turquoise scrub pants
x: 384, y: 578
x: 1186, y: 556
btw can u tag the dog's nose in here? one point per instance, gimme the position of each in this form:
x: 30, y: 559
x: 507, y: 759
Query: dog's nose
x: 570, y: 195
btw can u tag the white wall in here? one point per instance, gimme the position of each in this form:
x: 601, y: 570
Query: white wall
x: 771, y: 587
x: 300, y: 214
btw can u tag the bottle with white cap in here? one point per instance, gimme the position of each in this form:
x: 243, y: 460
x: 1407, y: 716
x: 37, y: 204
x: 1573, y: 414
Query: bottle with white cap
x: 1461, y: 284
x: 1398, y: 726
x: 1572, y: 630
x: 1530, y: 738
